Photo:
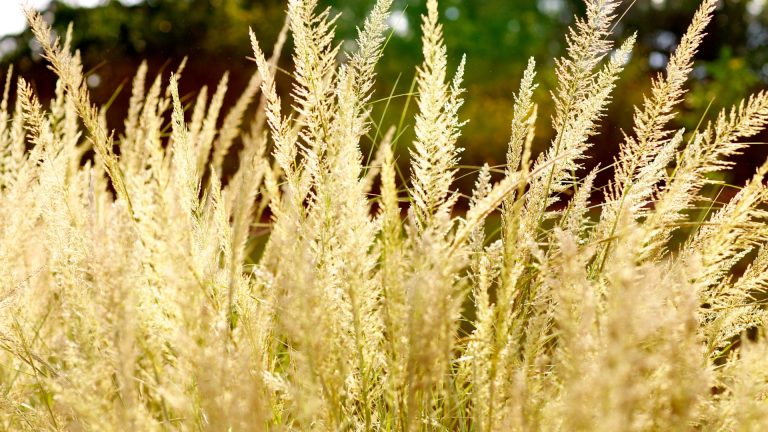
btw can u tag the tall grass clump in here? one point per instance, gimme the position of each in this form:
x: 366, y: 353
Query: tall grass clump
x: 132, y: 296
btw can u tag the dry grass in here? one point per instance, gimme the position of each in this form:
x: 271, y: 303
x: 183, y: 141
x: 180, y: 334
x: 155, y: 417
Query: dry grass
x: 127, y: 301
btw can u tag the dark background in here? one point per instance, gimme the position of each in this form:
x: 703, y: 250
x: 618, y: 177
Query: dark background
x: 498, y: 36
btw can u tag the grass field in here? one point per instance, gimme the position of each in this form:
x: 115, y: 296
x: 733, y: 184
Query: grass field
x: 144, y: 288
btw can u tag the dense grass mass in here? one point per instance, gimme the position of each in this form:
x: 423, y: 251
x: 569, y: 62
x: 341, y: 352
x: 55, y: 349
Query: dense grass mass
x: 130, y: 299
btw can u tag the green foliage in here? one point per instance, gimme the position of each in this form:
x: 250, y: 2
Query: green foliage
x: 498, y: 36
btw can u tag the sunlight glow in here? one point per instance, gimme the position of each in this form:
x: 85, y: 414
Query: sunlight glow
x: 12, y: 17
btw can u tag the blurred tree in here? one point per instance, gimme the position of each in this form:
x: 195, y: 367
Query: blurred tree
x: 498, y: 36
x: 114, y: 38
